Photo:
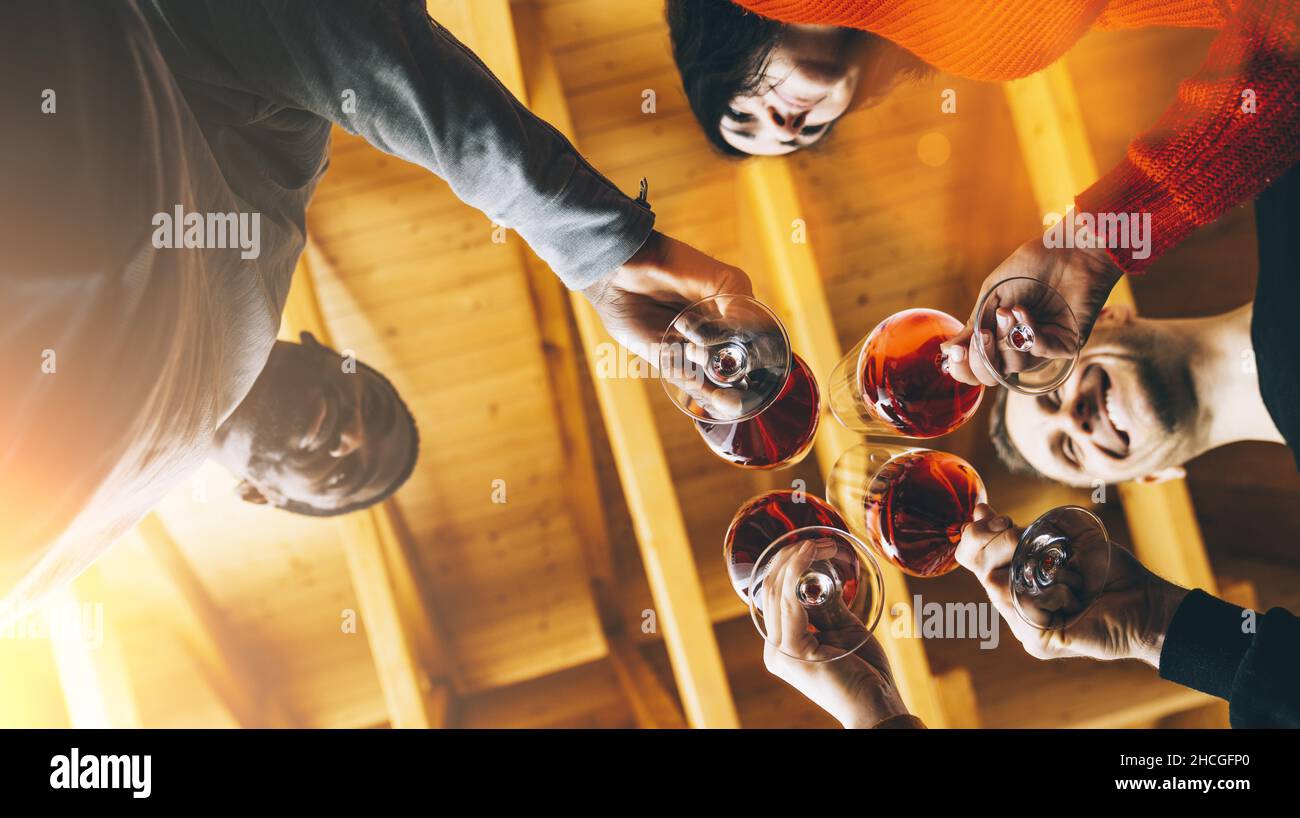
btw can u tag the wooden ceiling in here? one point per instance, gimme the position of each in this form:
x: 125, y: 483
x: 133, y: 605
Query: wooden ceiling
x: 223, y: 614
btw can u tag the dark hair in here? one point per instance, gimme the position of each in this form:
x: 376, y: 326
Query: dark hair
x: 720, y: 50
x: 308, y: 510
x: 1007, y: 451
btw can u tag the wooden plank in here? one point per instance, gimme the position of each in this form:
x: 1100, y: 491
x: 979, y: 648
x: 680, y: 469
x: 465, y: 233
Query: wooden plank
x: 643, y: 470
x: 770, y: 201
x: 1054, y: 142
x: 492, y: 37
x: 92, y: 667
x: 583, y: 696
x: 218, y: 651
x: 409, y: 693
x: 956, y: 691
x: 399, y: 628
x: 654, y: 707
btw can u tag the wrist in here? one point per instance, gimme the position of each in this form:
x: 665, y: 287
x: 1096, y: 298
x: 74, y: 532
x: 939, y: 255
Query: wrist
x: 875, y: 702
x: 649, y: 254
x: 1163, y: 599
x: 1103, y: 266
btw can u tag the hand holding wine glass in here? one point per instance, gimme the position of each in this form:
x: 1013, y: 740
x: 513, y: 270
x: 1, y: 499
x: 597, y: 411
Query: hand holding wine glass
x: 1033, y: 315
x: 639, y: 299
x: 857, y: 689
x: 1125, y: 618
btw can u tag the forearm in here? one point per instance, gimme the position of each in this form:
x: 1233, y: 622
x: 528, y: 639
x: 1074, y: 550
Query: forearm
x: 1234, y: 128
x: 383, y: 70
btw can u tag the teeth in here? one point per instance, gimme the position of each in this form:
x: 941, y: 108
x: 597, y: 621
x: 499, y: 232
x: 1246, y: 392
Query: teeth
x: 1116, y: 417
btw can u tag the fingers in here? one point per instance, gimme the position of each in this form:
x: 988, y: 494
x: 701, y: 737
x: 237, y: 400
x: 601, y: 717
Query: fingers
x: 958, y: 357
x: 794, y: 619
x: 728, y: 279
x: 987, y: 542
x: 964, y: 363
x: 977, y: 361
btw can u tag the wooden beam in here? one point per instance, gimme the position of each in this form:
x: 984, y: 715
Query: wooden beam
x: 788, y: 274
x: 492, y: 37
x: 585, y: 696
x: 1049, y: 124
x: 219, y: 652
x: 956, y: 691
x: 410, y: 695
x: 408, y: 654
x: 653, y: 705
x: 642, y: 466
x: 89, y: 657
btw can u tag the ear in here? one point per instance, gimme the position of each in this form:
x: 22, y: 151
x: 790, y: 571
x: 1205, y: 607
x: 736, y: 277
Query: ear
x: 307, y: 339
x: 1116, y: 315
x: 1164, y: 475
x: 249, y: 493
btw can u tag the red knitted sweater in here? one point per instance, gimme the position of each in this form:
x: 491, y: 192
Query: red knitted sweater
x: 1206, y: 154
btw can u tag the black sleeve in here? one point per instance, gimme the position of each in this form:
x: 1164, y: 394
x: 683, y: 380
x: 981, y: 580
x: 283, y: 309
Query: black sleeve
x: 1248, y: 658
x: 1275, y: 333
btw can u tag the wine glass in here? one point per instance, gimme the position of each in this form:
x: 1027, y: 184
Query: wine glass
x: 910, y: 506
x: 1033, y: 337
x: 908, y: 503
x: 789, y: 546
x: 895, y: 381
x: 726, y: 362
x: 1060, y: 567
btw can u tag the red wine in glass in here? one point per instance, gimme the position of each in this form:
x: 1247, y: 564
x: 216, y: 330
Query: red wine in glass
x: 780, y: 435
x: 915, y: 507
x: 841, y: 591
x: 765, y: 518
x: 903, y: 379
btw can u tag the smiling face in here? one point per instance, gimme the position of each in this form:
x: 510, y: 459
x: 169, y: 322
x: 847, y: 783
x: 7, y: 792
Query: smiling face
x: 808, y: 82
x: 318, y: 434
x: 1128, y: 410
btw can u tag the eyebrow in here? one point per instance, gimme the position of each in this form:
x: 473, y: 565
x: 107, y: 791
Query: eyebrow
x: 1060, y: 446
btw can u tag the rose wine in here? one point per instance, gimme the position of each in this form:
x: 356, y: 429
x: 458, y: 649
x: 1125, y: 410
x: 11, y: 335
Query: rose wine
x: 903, y: 379
x: 916, y: 506
x: 762, y: 520
x: 777, y: 437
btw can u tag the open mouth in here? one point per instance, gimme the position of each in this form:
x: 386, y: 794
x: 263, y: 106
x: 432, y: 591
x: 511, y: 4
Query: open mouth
x: 1112, y: 409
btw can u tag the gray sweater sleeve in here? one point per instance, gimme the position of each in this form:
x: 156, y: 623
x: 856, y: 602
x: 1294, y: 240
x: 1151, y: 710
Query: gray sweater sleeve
x: 382, y: 69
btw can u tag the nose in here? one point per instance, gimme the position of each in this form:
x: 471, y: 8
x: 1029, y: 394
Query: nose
x: 351, y: 438
x: 1081, y: 412
x: 792, y: 123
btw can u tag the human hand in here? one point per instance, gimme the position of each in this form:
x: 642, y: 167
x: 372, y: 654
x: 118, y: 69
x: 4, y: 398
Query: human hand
x: 1127, y: 620
x: 858, y: 688
x: 639, y: 300
x: 1082, y: 277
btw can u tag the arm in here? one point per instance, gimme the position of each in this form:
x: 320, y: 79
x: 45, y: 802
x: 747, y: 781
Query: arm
x: 1252, y: 660
x: 857, y: 689
x: 1189, y: 636
x: 1209, y: 152
x: 422, y: 96
x: 1205, y: 155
